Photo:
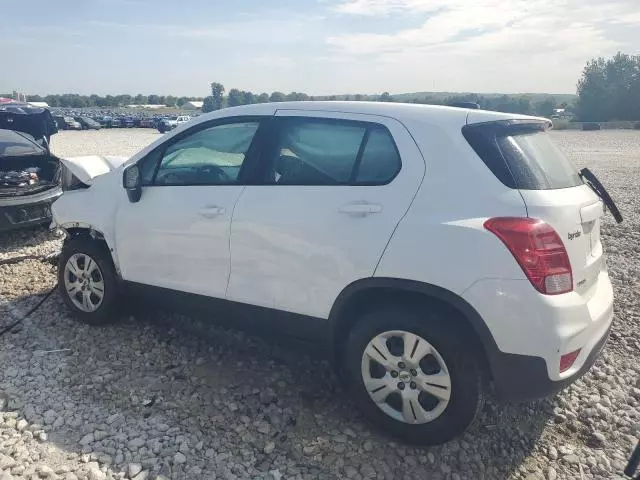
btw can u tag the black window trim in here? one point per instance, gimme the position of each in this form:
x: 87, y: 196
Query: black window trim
x: 270, y: 145
x: 245, y: 168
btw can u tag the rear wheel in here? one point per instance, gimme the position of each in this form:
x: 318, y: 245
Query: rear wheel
x: 414, y: 374
x: 87, y: 280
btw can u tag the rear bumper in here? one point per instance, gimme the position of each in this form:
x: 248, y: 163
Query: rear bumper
x: 522, y: 377
x: 532, y: 331
x: 27, y: 211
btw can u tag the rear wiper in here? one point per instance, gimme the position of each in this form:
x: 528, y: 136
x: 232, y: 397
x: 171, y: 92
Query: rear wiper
x: 593, y: 182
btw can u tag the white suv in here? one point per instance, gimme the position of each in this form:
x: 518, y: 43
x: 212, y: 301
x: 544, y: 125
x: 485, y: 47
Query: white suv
x: 434, y: 249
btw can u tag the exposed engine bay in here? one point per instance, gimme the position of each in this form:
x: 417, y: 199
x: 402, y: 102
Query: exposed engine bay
x: 28, y: 174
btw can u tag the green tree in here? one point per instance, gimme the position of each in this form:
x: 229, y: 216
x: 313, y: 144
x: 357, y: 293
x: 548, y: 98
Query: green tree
x: 170, y: 101
x: 52, y: 100
x: 248, y: 98
x: 217, y: 92
x: 385, y: 97
x: 263, y: 98
x: 153, y: 99
x: 139, y: 99
x: 358, y: 97
x: 609, y: 89
x: 277, y: 97
x: 208, y: 104
x: 181, y: 101
x: 545, y: 108
x: 235, y: 97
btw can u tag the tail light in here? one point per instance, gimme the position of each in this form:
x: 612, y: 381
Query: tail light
x: 538, y: 249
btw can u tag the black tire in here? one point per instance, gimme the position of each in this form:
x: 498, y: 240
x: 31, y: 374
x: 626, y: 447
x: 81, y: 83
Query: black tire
x: 456, y: 349
x: 98, y: 252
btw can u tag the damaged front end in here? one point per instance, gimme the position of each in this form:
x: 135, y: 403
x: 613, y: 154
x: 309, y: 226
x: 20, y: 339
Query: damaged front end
x: 30, y: 180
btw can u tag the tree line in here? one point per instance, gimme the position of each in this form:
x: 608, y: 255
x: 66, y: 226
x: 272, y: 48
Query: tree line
x: 609, y: 89
x: 74, y: 100
x: 505, y: 103
x: 236, y: 97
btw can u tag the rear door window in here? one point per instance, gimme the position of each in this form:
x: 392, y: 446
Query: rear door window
x: 523, y: 157
x: 312, y: 151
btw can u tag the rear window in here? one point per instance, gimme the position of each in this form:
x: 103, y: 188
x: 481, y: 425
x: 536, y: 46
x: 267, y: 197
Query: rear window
x: 522, y: 156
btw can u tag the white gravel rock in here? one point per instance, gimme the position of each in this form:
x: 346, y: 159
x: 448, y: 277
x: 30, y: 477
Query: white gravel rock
x: 177, y: 397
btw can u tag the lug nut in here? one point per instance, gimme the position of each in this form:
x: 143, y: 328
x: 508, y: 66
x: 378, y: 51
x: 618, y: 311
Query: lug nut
x: 413, y: 372
x: 394, y: 374
x: 401, y: 386
x: 401, y: 365
x: 413, y: 385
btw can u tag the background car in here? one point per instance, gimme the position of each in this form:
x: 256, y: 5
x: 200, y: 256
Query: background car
x: 172, y: 122
x: 88, y: 123
x: 67, y: 123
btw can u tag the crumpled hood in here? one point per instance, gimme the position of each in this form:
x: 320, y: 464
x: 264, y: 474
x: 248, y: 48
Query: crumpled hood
x: 87, y: 168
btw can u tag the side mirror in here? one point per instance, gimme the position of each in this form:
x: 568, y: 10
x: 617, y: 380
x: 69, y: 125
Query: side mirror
x: 131, y: 183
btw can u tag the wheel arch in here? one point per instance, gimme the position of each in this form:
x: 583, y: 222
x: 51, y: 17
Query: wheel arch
x: 368, y: 294
x: 81, y: 229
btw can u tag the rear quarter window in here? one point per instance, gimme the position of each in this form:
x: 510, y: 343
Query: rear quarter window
x: 522, y: 156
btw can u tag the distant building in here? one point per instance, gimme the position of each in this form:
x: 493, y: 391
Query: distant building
x: 192, y: 105
x: 39, y: 104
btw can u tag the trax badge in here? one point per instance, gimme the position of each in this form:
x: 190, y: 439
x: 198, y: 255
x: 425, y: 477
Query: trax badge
x: 574, y: 235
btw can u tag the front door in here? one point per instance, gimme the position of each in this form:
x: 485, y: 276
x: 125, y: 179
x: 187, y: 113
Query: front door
x: 177, y: 235
x: 329, y: 192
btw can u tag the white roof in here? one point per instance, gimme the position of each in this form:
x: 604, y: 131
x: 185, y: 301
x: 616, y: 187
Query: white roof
x: 195, y: 103
x: 400, y: 111
x: 39, y: 104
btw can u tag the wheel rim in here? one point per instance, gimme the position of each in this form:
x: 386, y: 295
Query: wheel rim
x: 84, y: 282
x: 406, y: 377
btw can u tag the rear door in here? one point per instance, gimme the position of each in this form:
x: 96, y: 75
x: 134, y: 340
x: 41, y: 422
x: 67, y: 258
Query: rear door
x: 328, y: 192
x: 523, y: 156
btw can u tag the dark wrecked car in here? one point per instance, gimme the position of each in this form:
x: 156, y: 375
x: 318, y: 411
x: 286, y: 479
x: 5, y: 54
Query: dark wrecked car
x: 30, y: 180
x: 30, y: 176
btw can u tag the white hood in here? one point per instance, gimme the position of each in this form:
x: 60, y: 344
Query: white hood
x: 87, y: 168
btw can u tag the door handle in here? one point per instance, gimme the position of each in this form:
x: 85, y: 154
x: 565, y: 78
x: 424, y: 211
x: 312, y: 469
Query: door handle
x: 211, y: 211
x: 361, y: 209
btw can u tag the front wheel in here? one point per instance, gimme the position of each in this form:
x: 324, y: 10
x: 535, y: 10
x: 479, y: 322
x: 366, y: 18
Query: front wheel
x: 87, y: 280
x: 414, y: 374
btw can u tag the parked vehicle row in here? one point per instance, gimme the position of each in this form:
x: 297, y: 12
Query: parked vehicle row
x: 87, y: 119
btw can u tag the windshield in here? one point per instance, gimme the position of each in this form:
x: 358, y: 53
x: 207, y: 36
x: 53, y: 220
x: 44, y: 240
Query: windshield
x: 14, y: 144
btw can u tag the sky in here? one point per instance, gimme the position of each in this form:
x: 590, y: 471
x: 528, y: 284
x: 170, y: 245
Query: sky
x: 178, y: 47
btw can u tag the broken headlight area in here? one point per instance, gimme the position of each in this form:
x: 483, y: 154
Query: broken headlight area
x: 70, y: 181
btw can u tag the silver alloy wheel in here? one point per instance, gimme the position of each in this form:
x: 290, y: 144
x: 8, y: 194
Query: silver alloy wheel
x: 410, y: 381
x: 83, y: 282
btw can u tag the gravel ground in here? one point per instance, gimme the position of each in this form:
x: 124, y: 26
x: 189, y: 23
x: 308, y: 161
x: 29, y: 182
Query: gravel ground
x: 160, y: 395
